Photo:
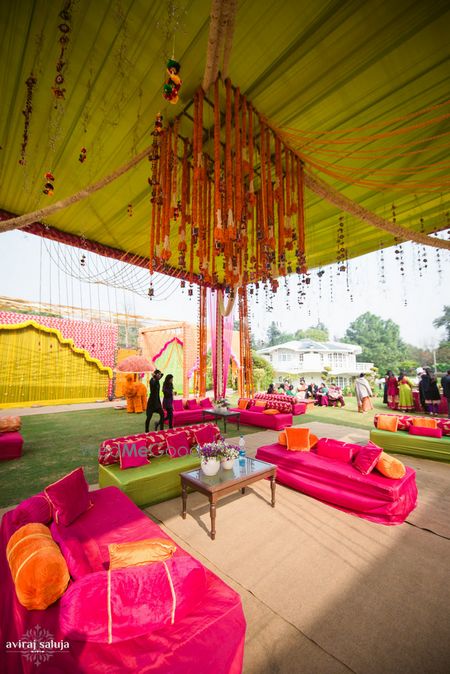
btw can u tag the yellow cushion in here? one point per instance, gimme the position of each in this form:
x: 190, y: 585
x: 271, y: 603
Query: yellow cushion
x: 386, y: 422
x: 390, y: 467
x: 298, y: 439
x: 137, y: 553
x: 38, y: 568
x: 270, y: 411
x: 242, y: 403
x: 260, y: 403
x: 424, y: 422
x: 282, y: 439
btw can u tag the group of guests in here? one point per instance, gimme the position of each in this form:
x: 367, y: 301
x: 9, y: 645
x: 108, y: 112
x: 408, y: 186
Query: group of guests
x: 154, y: 405
x: 323, y: 394
x: 398, y: 391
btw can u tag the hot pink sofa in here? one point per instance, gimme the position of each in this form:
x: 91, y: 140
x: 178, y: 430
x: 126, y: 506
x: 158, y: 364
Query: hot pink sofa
x: 275, y: 422
x: 297, y: 407
x: 10, y: 445
x: 337, y: 483
x: 194, y: 415
x: 207, y: 637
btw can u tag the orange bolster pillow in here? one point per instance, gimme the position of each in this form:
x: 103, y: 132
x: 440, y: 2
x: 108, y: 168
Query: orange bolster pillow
x: 38, y: 568
x: 9, y: 424
x: 391, y: 467
x: 424, y: 422
x: 122, y: 555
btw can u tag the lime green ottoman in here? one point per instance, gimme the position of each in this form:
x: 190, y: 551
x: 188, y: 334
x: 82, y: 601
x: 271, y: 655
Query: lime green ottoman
x: 400, y: 442
x: 157, y: 481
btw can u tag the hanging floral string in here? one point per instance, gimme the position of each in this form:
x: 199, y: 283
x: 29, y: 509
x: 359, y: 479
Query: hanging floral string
x: 64, y: 28
x: 27, y: 112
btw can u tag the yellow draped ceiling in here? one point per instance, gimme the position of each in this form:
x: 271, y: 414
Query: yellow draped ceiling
x: 331, y: 74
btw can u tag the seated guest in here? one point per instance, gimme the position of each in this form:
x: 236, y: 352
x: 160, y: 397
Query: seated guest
x: 302, y: 389
x: 290, y: 390
x: 281, y: 389
x: 335, y: 396
x: 271, y: 389
x: 322, y: 395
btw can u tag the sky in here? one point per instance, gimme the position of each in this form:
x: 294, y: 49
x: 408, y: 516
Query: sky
x: 41, y: 271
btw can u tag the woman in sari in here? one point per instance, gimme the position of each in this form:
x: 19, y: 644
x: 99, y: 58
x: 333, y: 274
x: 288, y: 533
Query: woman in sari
x: 392, y: 390
x: 363, y: 394
x: 405, y: 396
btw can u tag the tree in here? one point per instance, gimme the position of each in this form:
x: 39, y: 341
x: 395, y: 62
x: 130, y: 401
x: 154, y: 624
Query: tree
x: 273, y: 334
x: 443, y: 356
x: 444, y: 321
x: 380, y: 341
x: 263, y: 372
x: 316, y: 334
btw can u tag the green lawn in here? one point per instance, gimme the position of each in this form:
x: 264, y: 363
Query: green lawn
x: 57, y: 443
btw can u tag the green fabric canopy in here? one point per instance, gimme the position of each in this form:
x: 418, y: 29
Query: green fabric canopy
x: 327, y: 65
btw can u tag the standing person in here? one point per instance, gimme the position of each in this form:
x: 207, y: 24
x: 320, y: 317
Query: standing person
x: 385, y: 387
x: 363, y: 394
x: 392, y: 390
x: 168, y: 393
x: 445, y: 381
x: 405, y: 396
x: 154, y: 402
x: 431, y: 392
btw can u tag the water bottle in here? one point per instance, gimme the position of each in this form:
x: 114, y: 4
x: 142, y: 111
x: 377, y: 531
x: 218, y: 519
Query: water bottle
x: 241, y: 451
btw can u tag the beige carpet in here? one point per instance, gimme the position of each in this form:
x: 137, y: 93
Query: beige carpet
x: 324, y: 591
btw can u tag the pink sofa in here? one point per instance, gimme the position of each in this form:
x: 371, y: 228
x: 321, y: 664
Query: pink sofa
x: 297, y: 406
x: 337, y: 483
x: 275, y: 422
x: 183, y: 415
x: 207, y: 636
x: 10, y: 445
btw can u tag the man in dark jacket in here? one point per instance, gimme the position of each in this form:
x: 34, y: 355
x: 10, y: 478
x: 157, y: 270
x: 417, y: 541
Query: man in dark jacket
x: 445, y: 381
x: 154, y: 402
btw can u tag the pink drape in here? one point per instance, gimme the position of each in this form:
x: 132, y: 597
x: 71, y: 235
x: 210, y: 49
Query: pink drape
x: 226, y: 348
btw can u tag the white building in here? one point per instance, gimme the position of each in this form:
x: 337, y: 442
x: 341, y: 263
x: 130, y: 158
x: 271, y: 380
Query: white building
x: 307, y: 359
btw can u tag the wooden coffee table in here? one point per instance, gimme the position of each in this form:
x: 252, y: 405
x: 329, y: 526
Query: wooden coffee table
x: 243, y: 473
x: 223, y: 414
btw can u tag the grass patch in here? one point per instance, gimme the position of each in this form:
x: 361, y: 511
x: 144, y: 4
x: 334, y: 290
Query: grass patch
x: 55, y: 444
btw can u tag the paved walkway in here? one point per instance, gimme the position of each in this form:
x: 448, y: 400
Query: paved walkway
x: 52, y: 409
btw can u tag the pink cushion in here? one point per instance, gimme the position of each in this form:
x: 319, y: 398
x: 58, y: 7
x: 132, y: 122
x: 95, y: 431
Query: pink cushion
x: 178, y: 445
x: 34, y: 509
x: 255, y: 408
x: 426, y: 432
x: 133, y: 454
x: 192, y: 405
x: 205, y: 435
x: 334, y: 449
x: 69, y: 497
x: 367, y: 458
x: 178, y: 405
x: 132, y: 602
x: 206, y: 403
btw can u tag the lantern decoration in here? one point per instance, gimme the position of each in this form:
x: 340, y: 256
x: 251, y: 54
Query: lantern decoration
x: 173, y: 82
x: 49, y: 187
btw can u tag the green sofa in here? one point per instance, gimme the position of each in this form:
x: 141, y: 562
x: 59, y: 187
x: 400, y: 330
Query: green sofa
x: 401, y: 442
x: 158, y: 481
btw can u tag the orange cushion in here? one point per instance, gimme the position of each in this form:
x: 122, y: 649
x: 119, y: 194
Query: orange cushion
x: 424, y: 422
x: 260, y: 403
x: 282, y: 439
x: 298, y: 439
x: 271, y: 412
x: 313, y: 440
x: 38, y: 568
x: 242, y: 403
x: 137, y: 553
x: 386, y: 422
x: 390, y: 467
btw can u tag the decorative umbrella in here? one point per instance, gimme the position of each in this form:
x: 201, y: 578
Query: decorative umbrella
x: 134, y: 364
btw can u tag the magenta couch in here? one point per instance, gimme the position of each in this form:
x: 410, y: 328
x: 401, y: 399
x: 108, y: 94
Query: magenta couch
x: 191, y: 415
x: 208, y: 638
x: 275, y: 422
x: 11, y: 444
x: 297, y: 407
x: 337, y: 483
